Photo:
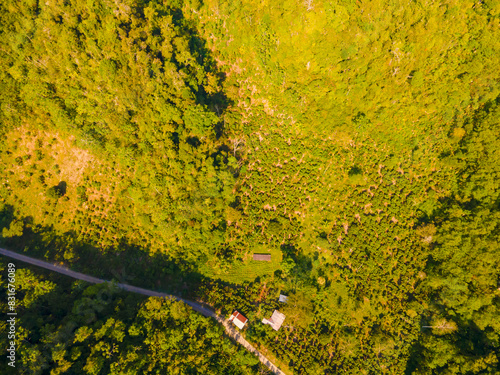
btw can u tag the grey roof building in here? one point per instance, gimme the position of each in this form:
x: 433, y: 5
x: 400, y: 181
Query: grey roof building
x: 275, y: 321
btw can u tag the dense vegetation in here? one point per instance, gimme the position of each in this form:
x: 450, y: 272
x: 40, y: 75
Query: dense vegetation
x: 357, y: 142
x: 75, y: 328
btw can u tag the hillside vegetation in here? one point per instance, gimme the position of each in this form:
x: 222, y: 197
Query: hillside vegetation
x: 99, y: 329
x: 162, y: 144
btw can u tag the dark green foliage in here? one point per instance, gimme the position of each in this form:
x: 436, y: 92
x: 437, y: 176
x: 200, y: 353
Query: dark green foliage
x: 54, y: 192
x: 462, y: 279
x: 66, y: 327
x: 136, y: 84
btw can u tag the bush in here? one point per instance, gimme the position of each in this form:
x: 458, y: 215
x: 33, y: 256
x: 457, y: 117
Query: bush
x: 81, y: 192
x: 54, y: 192
x: 39, y: 155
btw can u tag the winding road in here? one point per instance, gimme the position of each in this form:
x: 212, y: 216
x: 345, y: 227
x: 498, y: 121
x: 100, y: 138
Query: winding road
x: 235, y: 335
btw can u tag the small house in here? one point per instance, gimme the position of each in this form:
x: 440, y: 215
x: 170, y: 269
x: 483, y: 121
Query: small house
x: 275, y: 321
x: 283, y: 298
x: 265, y: 257
x: 238, y: 320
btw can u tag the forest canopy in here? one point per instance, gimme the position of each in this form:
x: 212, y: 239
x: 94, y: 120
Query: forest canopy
x: 75, y: 328
x: 164, y: 143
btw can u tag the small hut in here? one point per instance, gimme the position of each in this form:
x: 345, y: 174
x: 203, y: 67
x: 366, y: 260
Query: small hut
x: 283, y: 298
x: 265, y: 257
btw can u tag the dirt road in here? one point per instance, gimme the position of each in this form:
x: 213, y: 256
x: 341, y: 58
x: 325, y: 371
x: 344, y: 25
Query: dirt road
x: 230, y: 330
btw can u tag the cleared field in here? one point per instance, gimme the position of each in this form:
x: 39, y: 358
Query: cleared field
x: 246, y: 270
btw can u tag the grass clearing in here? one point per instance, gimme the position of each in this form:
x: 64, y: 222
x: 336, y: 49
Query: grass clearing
x: 246, y: 269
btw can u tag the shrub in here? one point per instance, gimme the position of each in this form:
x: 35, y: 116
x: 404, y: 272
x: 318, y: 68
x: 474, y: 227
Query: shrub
x: 54, y: 192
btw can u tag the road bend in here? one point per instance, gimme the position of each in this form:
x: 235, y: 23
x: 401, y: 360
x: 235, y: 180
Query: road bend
x: 231, y: 332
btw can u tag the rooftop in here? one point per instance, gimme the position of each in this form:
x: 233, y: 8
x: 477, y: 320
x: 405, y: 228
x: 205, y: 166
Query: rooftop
x: 283, y: 298
x: 266, y: 257
x: 238, y: 319
x: 275, y: 321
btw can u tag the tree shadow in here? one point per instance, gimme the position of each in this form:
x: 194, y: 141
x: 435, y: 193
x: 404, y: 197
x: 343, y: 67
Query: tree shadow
x: 303, y: 263
x: 128, y: 263
x: 6, y: 215
x: 61, y: 186
x: 215, y: 99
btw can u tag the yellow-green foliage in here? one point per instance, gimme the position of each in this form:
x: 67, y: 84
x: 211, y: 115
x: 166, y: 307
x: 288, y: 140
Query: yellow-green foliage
x: 245, y: 269
x: 356, y: 141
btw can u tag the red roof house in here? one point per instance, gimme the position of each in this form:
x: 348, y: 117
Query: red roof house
x: 238, y: 319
